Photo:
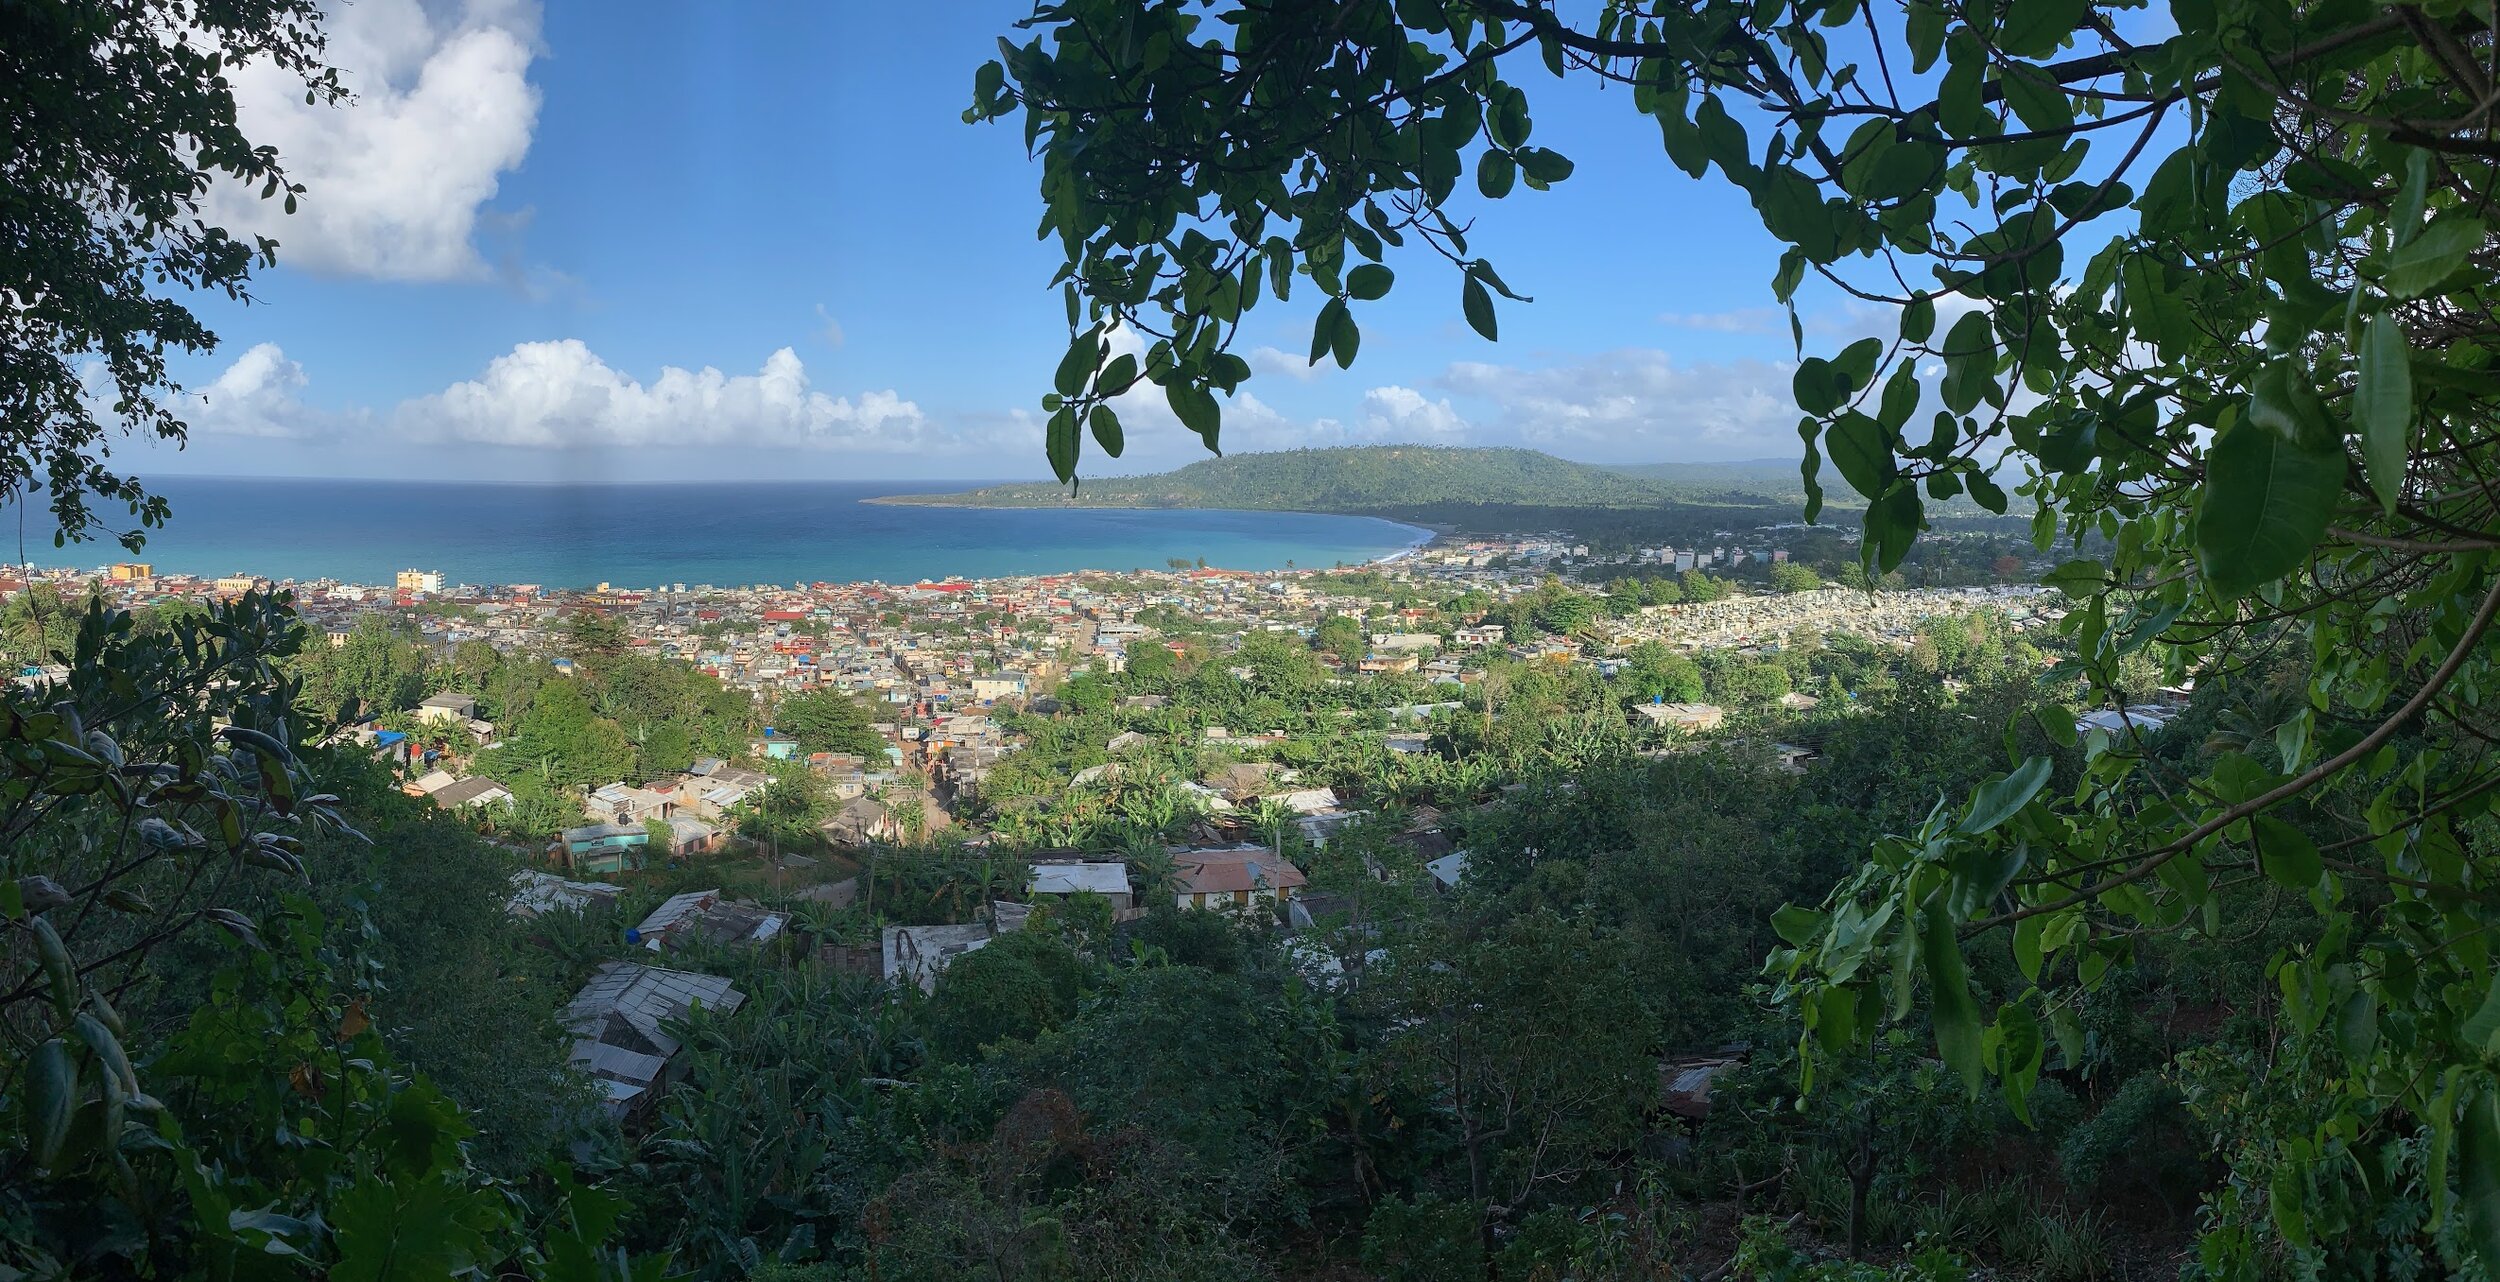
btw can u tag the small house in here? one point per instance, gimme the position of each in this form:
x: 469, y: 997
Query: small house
x: 476, y: 790
x: 621, y: 1024
x: 1233, y: 877
x: 1109, y: 880
x: 604, y: 848
x: 447, y: 706
x: 702, y: 916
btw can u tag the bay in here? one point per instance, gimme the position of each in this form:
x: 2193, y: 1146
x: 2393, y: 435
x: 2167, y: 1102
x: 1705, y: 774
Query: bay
x: 719, y: 533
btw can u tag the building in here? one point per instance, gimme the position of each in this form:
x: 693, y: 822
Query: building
x: 1691, y: 718
x: 537, y: 893
x: 997, y: 686
x: 621, y: 1024
x: 1109, y: 880
x: 426, y: 581
x: 604, y: 848
x: 1233, y: 877
x: 476, y: 790
x: 131, y: 572
x: 702, y: 916
x: 1482, y: 634
x: 447, y: 706
x: 919, y: 954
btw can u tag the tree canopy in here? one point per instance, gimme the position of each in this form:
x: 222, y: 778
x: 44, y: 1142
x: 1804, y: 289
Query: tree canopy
x: 2214, y: 290
x: 121, y: 119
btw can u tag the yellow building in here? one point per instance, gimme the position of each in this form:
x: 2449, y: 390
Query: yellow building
x: 132, y: 571
x: 420, y: 580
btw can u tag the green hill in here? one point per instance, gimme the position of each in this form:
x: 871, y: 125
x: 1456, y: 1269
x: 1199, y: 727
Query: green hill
x: 1755, y: 478
x: 1395, y: 479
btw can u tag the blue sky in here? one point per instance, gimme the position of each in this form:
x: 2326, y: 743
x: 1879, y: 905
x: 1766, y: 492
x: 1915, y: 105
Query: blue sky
x: 635, y: 241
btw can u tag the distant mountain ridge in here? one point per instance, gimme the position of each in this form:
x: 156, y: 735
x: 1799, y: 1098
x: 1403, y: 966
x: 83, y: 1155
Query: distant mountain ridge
x: 1401, y: 479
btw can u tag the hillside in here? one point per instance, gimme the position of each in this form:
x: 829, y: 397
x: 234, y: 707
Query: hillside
x: 1387, y: 479
x: 1761, y: 477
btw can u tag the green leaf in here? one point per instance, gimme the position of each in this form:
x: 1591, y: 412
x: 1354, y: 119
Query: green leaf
x: 1324, y: 329
x: 2020, y: 1048
x: 1918, y: 320
x: 1495, y: 172
x: 1955, y: 1015
x: 2383, y: 407
x: 1817, y: 386
x: 1194, y: 406
x: 2265, y: 504
x: 2417, y: 265
x: 1542, y: 167
x: 49, y: 1101
x: 2285, y: 1194
x: 2001, y: 799
x: 2480, y: 1028
x: 1862, y: 450
x: 1059, y: 443
x: 2404, y: 222
x: 1369, y: 281
x: 1078, y: 365
x: 2027, y: 950
x: 1346, y: 337
x: 2480, y: 1178
x: 2289, y: 858
x: 2035, y: 28
x: 1106, y: 428
x: 2283, y: 401
x: 1478, y: 304
x: 1118, y: 375
x: 1799, y: 926
x: 1970, y: 362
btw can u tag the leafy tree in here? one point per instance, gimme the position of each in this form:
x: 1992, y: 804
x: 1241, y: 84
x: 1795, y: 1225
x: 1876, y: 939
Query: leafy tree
x: 590, y: 635
x: 200, y: 1053
x: 1020, y: 986
x: 827, y: 720
x: 1341, y: 636
x: 38, y: 623
x: 1651, y: 671
x: 117, y: 131
x: 1788, y: 576
x: 2219, y: 295
x: 562, y: 741
x: 1539, y: 1044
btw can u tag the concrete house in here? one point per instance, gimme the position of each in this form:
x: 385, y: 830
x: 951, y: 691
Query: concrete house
x: 1109, y: 880
x: 603, y: 848
x: 1233, y: 877
x: 447, y: 706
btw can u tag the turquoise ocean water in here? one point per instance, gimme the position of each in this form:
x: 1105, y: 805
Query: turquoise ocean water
x: 724, y: 534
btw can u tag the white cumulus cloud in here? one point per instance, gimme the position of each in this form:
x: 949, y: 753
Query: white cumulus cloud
x: 560, y: 395
x: 1633, y: 404
x: 255, y: 396
x: 1395, y: 413
x: 396, y: 178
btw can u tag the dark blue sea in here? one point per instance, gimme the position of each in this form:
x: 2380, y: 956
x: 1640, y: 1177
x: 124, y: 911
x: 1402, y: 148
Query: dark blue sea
x: 724, y: 534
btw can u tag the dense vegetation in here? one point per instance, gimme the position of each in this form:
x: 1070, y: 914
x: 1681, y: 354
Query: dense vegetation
x: 1429, y: 1082
x: 2232, y: 979
x: 2216, y: 282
